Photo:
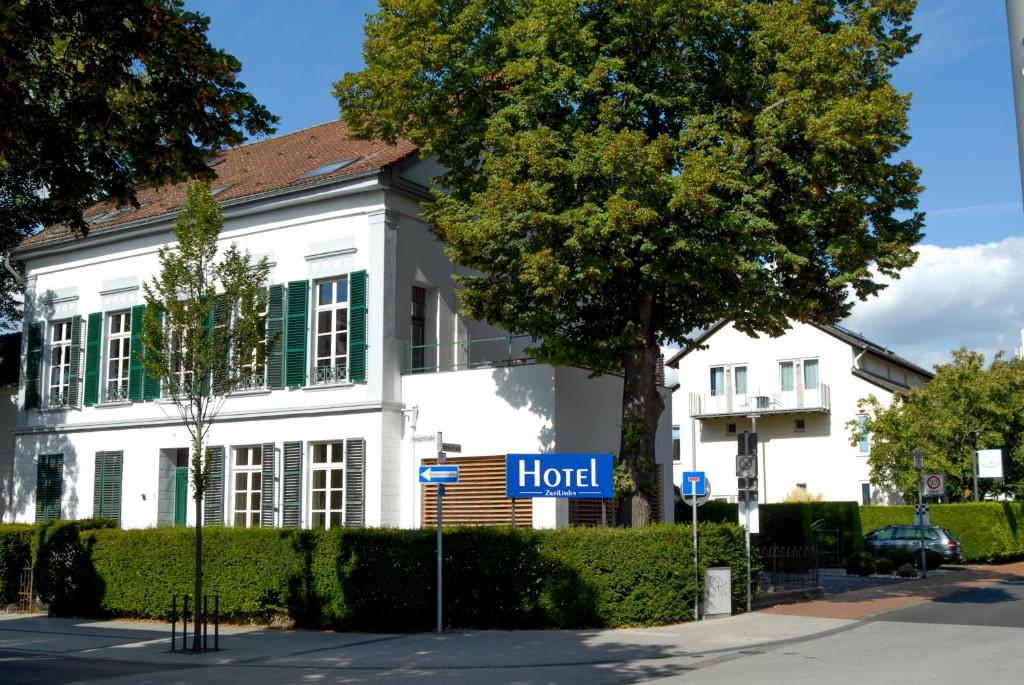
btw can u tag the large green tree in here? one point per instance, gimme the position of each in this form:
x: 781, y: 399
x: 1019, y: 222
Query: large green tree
x: 203, y: 333
x: 100, y: 98
x: 966, y: 407
x: 621, y: 173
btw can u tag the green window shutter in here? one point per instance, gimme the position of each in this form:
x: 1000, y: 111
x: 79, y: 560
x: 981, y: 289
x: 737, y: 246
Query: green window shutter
x: 221, y: 319
x: 76, y: 362
x: 93, y: 337
x: 151, y: 384
x: 33, y: 365
x: 213, y: 498
x: 49, y: 483
x: 357, y: 326
x: 106, y: 498
x: 296, y: 334
x: 291, y: 485
x: 267, y: 485
x: 275, y: 329
x: 355, y: 483
x: 135, y: 361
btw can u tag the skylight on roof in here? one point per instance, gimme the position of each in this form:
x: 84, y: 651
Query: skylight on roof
x: 217, y: 190
x: 328, y: 168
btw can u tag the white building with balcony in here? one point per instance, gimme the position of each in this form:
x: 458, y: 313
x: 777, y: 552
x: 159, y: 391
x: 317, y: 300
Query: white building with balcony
x: 373, y: 361
x: 798, y: 392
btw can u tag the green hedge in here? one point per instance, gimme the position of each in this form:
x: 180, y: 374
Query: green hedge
x: 789, y: 524
x: 384, y: 580
x: 988, y: 531
x: 15, y: 552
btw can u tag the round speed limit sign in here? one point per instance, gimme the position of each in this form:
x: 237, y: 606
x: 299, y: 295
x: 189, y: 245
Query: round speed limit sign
x: 934, y: 484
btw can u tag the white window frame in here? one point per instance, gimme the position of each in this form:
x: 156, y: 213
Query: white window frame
x: 247, y: 482
x: 329, y: 467
x: 116, y: 389
x: 57, y: 394
x: 817, y: 363
x: 792, y: 369
x: 336, y: 369
x: 721, y: 391
x: 735, y: 380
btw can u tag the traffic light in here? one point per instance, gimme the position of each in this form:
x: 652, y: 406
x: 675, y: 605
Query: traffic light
x: 746, y: 444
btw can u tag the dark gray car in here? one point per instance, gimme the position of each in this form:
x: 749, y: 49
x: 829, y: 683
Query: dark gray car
x: 902, y: 544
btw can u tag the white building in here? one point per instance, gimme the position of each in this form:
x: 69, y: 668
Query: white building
x: 374, y: 360
x: 798, y: 392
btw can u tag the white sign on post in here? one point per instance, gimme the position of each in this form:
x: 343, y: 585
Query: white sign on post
x: 934, y: 484
x: 990, y: 463
x: 755, y: 522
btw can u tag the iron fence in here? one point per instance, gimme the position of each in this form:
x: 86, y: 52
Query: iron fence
x: 788, y: 568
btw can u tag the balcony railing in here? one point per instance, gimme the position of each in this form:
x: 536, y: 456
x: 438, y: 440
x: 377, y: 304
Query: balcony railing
x: 58, y: 398
x: 761, y: 401
x: 338, y: 373
x: 253, y: 382
x: 509, y: 350
x: 115, y: 393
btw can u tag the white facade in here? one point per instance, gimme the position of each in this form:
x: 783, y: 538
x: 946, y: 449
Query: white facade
x: 798, y: 391
x: 331, y: 231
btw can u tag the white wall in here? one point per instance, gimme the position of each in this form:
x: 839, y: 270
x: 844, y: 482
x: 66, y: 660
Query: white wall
x: 820, y: 457
x: 532, y: 408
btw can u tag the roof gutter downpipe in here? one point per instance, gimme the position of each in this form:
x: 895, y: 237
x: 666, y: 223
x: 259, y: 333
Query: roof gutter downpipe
x: 856, y: 360
x: 10, y: 269
x: 1015, y: 25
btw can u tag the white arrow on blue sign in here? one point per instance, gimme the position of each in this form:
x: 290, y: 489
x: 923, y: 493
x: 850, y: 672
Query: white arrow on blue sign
x: 440, y: 473
x: 694, y: 484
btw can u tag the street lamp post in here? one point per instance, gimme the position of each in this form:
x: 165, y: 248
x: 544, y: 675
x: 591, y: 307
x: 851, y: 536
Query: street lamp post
x: 918, y: 456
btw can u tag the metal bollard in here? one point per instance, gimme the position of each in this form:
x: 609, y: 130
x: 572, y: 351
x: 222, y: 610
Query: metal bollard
x: 184, y: 622
x: 206, y: 620
x: 174, y: 618
x: 216, y: 621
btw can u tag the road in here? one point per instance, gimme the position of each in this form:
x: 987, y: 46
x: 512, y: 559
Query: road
x: 960, y: 627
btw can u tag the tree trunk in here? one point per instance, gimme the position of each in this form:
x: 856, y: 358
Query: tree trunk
x: 641, y: 409
x: 198, y: 477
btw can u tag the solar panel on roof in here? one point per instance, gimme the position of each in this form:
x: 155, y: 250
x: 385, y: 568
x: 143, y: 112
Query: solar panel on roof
x: 329, y: 167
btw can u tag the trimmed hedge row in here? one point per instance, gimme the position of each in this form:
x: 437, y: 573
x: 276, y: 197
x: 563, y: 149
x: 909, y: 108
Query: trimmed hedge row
x: 384, y: 580
x: 15, y: 552
x: 988, y: 531
x: 789, y: 524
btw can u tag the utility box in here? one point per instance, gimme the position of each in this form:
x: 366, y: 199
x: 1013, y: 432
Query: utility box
x: 718, y: 592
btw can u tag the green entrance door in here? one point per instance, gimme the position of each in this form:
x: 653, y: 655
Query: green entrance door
x: 180, y: 494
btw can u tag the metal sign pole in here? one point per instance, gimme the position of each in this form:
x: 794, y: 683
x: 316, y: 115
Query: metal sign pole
x: 696, y: 568
x: 746, y: 510
x: 440, y: 556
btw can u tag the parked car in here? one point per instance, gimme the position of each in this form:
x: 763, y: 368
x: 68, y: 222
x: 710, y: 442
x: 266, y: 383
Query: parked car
x: 902, y: 544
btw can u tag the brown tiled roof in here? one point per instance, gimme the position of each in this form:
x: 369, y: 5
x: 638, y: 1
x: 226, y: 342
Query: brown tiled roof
x: 267, y: 165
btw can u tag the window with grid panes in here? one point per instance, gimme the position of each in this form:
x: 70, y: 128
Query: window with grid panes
x: 253, y: 364
x: 419, y: 328
x: 327, y: 479
x: 60, y: 364
x: 179, y: 352
x: 119, y: 334
x: 331, y: 331
x: 248, y: 486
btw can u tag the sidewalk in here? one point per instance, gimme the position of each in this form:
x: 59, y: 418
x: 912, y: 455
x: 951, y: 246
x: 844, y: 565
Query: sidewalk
x: 139, y: 652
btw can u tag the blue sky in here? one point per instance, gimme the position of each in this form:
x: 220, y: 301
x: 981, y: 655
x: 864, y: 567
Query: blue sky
x: 961, y: 121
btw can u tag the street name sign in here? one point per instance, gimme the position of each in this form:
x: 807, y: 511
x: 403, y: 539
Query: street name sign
x: 453, y: 447
x: 587, y: 476
x: 440, y: 473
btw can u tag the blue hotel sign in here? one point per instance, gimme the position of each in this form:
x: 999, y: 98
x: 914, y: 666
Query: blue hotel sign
x: 558, y: 475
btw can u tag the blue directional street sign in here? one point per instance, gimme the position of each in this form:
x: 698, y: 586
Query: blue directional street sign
x: 558, y: 475
x: 694, y: 484
x: 439, y: 474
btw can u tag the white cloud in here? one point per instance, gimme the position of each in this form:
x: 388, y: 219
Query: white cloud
x: 970, y: 296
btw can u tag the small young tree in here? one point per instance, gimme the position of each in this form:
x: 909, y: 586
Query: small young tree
x: 203, y: 332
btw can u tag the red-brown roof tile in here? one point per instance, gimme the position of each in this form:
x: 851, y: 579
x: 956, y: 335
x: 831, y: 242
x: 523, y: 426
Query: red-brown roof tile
x: 259, y: 167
